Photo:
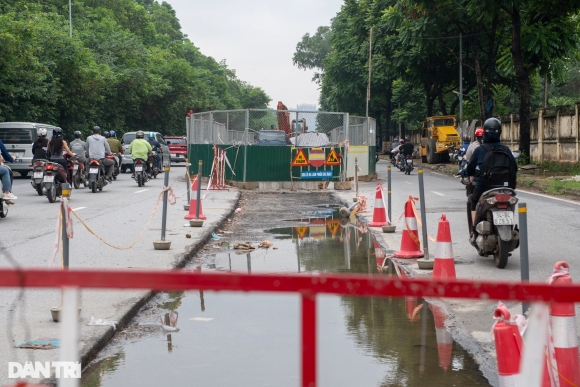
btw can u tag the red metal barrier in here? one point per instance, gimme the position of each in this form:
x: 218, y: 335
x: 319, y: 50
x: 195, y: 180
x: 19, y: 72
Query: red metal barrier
x: 307, y: 285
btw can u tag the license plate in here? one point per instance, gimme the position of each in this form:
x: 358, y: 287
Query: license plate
x: 94, y: 170
x: 138, y: 169
x: 38, y: 175
x: 49, y: 179
x: 75, y: 167
x: 503, y: 218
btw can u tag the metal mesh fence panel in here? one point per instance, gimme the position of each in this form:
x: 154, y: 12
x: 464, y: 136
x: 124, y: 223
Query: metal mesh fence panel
x: 361, y: 131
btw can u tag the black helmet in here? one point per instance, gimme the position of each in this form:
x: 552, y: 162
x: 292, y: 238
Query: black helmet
x: 491, y: 130
x: 96, y: 129
x: 106, y: 134
x: 77, y: 134
x: 467, y: 138
x: 57, y: 132
x: 139, y: 134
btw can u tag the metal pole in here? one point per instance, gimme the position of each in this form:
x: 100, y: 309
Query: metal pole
x: 187, y: 180
x: 346, y: 133
x: 198, y: 201
x: 65, y: 189
x: 423, y: 214
x: 370, y: 64
x: 164, y: 218
x: 356, y: 177
x: 524, y: 262
x: 69, y: 334
x: 389, y: 193
x: 461, y: 85
x: 70, y: 18
x: 246, y: 142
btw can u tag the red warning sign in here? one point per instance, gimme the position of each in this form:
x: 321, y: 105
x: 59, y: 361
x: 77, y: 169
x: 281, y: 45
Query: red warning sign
x: 332, y: 158
x: 301, y: 231
x: 300, y: 160
x: 316, y: 157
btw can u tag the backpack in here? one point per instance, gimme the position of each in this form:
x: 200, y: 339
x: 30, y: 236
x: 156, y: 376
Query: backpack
x: 498, y: 169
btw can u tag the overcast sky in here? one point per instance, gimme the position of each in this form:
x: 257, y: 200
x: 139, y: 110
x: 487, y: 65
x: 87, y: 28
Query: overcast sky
x: 258, y: 39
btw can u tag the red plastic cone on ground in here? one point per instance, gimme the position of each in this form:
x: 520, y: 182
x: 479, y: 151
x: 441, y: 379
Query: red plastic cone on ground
x: 444, y: 339
x: 564, y: 334
x: 444, y: 264
x: 380, y: 212
x: 410, y: 245
x: 193, y: 204
x: 508, y: 348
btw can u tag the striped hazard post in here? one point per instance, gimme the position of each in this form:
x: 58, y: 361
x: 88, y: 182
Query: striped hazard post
x: 380, y: 212
x: 509, y: 347
x: 444, y: 264
x: 410, y: 244
x: 563, y: 327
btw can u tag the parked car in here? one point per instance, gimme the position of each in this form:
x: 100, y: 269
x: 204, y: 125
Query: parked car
x: 127, y: 162
x: 273, y: 138
x: 177, y: 147
x: 18, y: 138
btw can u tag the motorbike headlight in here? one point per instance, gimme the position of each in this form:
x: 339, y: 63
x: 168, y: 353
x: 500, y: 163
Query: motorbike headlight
x: 513, y: 200
x: 491, y: 200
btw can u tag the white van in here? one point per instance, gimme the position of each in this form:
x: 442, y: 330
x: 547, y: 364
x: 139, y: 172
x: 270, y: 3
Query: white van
x: 18, y: 138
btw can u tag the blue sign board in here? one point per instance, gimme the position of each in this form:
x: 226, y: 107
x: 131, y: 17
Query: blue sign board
x: 327, y: 174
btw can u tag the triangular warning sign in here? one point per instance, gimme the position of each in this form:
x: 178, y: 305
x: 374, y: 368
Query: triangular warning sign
x: 300, y: 160
x: 332, y: 158
x: 301, y: 231
x: 333, y: 226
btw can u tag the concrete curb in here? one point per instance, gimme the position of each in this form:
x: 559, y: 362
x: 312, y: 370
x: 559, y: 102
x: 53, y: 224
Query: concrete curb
x: 90, y: 351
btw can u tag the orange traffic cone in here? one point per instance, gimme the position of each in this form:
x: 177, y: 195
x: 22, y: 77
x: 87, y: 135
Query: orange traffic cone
x: 410, y: 245
x: 380, y: 212
x: 564, y: 335
x: 508, y: 347
x: 193, y: 204
x: 444, y: 264
x: 444, y: 339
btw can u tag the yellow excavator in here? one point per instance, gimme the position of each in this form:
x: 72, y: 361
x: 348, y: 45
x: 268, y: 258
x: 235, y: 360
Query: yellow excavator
x: 438, y: 138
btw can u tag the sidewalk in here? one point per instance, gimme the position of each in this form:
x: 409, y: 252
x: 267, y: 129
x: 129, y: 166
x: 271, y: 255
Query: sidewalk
x: 32, y: 315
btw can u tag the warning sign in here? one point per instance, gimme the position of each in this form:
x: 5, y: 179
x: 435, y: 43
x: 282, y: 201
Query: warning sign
x: 301, y: 231
x: 333, y: 226
x: 332, y: 158
x: 300, y: 160
x: 316, y: 157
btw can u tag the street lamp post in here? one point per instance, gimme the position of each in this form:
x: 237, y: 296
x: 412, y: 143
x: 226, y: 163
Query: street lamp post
x: 177, y: 40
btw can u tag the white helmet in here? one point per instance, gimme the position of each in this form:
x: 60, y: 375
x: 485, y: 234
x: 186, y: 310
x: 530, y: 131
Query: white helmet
x: 41, y: 132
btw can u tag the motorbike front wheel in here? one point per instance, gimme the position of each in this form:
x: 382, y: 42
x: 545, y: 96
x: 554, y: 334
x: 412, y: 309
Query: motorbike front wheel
x: 500, y: 256
x: 51, y: 194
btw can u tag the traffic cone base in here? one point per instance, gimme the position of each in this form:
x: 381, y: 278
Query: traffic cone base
x: 380, y: 212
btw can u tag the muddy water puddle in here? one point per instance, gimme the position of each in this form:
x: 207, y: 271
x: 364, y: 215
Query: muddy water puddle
x: 252, y: 339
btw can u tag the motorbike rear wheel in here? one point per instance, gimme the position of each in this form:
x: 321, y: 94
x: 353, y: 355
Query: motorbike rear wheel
x: 140, y: 180
x: 39, y: 189
x: 51, y: 194
x: 77, y: 180
x: 93, y: 186
x: 500, y: 256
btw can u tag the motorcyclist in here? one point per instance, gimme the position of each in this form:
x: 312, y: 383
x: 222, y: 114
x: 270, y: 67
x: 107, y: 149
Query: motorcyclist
x: 6, y: 175
x: 140, y: 149
x: 116, y: 147
x: 397, y: 150
x: 478, y: 141
x: 491, y: 135
x: 56, y: 148
x: 156, y: 148
x: 40, y: 146
x: 79, y: 147
x: 98, y: 148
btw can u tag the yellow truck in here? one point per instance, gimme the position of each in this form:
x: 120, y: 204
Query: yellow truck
x: 438, y: 138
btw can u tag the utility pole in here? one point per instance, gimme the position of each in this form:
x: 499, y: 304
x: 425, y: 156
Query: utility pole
x: 370, y: 65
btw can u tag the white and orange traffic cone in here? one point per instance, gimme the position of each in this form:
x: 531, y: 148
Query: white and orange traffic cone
x: 410, y: 244
x: 508, y: 347
x: 193, y: 204
x: 444, y: 264
x: 563, y: 327
x: 380, y: 212
x: 444, y: 339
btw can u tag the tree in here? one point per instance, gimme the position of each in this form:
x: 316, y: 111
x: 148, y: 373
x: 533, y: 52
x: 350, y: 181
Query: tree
x: 311, y: 51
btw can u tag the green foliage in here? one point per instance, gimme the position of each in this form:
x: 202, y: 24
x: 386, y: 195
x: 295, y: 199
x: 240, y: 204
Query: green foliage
x: 311, y: 51
x: 125, y: 68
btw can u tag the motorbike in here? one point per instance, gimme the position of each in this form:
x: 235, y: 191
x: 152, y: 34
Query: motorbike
x: 408, y: 164
x: 38, y: 175
x: 152, y: 160
x: 96, y: 175
x: 52, y: 181
x: 115, y: 166
x: 141, y: 176
x: 77, y: 173
x: 495, y: 232
x: 3, y: 205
